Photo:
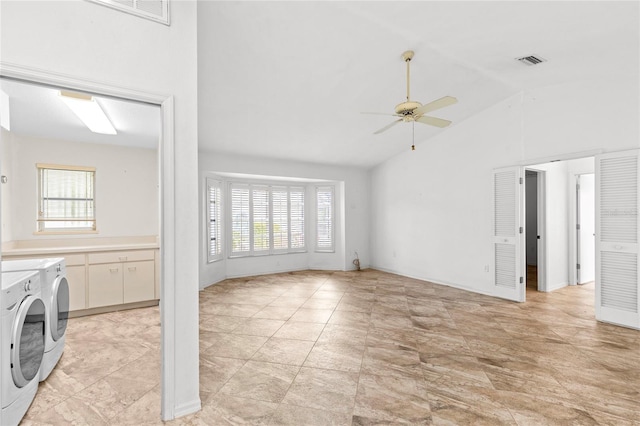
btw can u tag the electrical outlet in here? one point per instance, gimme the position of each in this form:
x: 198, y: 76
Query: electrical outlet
x: 486, y: 268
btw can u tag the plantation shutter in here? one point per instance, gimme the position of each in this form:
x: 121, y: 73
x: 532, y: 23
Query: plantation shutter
x: 507, y: 234
x: 215, y: 219
x: 617, y: 238
x: 240, y: 219
x: 280, y: 202
x: 261, y: 219
x: 296, y: 218
x: 324, y: 218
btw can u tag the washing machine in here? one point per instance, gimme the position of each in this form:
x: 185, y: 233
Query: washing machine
x: 23, y: 343
x: 55, y: 294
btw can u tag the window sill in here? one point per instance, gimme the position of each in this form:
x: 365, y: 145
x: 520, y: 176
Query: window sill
x: 241, y: 256
x: 325, y: 251
x: 66, y: 232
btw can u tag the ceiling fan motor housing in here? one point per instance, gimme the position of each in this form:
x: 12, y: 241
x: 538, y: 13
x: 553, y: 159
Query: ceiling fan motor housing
x: 407, y: 108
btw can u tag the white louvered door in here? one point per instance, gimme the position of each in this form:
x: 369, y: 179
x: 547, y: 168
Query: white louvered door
x: 617, y: 238
x: 508, y: 243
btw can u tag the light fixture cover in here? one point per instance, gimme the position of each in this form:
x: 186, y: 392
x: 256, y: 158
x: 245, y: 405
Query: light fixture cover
x: 88, y: 111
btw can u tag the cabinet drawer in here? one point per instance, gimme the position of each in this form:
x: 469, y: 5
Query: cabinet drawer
x: 120, y: 256
x: 73, y: 259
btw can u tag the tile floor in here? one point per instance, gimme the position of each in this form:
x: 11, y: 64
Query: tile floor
x: 358, y: 348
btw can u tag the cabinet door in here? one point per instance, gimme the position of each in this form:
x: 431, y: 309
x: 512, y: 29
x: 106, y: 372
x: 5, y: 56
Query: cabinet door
x: 139, y: 281
x: 105, y: 285
x: 77, y: 289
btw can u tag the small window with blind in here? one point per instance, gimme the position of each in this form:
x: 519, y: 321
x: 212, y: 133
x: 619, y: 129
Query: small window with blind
x: 324, y: 218
x: 66, y: 199
x: 214, y: 219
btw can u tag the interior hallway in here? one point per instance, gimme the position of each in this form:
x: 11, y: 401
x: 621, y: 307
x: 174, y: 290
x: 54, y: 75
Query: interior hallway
x: 357, y: 348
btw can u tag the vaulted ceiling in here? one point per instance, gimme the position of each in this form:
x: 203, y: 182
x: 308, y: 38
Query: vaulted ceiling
x: 290, y: 80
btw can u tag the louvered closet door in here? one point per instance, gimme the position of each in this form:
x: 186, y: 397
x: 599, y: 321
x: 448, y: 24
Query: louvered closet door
x: 508, y: 243
x: 617, y: 238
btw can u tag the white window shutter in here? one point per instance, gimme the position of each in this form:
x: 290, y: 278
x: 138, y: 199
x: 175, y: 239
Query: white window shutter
x: 214, y: 192
x: 296, y: 218
x: 617, y: 185
x: 261, y: 227
x: 507, y: 236
x: 280, y: 202
x: 240, y: 219
x: 324, y: 218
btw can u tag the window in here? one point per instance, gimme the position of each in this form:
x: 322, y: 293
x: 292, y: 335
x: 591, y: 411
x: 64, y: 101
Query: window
x: 296, y: 214
x: 324, y: 218
x: 214, y: 222
x: 155, y: 10
x: 66, y: 200
x: 266, y: 219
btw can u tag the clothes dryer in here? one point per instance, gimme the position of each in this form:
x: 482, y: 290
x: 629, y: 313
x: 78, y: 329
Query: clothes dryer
x: 23, y: 342
x: 55, y: 294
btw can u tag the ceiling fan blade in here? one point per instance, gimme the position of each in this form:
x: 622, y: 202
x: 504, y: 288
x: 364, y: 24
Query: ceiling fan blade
x: 387, y: 127
x: 437, y: 104
x: 433, y: 121
x: 381, y: 113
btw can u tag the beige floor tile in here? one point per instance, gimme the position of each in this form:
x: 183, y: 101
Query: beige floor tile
x: 291, y: 415
x: 320, y: 316
x: 258, y: 327
x: 300, y: 331
x: 284, y: 351
x: 376, y: 348
x: 235, y: 345
x: 323, y: 389
x: 335, y: 356
x: 263, y: 381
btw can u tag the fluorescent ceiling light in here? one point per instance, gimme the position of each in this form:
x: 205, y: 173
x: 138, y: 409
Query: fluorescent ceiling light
x: 89, y: 111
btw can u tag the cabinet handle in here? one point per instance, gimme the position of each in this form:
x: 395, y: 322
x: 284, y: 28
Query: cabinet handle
x: 113, y: 269
x: 132, y: 268
x: 122, y: 258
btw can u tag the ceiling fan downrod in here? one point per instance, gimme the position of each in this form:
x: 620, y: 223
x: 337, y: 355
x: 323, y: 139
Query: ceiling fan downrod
x: 407, y: 56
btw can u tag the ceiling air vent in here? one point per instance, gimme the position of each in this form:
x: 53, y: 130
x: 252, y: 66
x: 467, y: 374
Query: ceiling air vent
x: 531, y: 60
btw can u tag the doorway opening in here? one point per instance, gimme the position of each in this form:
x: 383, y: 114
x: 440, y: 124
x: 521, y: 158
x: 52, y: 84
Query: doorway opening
x: 560, y: 224
x: 166, y: 177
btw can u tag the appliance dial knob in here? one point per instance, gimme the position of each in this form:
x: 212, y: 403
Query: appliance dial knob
x: 27, y: 286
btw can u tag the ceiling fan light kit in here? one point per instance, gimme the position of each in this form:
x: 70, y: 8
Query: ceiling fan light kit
x: 411, y: 111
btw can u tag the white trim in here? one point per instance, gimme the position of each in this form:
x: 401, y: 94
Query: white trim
x: 167, y: 204
x: 164, y: 19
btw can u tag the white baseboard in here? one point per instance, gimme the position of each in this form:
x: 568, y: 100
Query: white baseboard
x: 188, y: 408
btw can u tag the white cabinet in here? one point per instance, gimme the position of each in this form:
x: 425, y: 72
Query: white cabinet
x: 76, y: 277
x: 105, y: 285
x: 121, y: 277
x: 139, y: 281
x: 104, y: 274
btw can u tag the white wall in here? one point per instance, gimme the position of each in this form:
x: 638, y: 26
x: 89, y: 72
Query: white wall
x: 352, y: 199
x: 431, y: 208
x: 87, y: 41
x: 126, y: 185
x: 6, y: 169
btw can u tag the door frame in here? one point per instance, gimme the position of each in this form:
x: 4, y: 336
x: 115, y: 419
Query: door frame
x: 166, y: 155
x: 541, y: 224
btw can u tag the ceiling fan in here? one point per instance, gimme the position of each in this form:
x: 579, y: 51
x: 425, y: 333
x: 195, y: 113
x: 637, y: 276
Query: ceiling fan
x: 413, y: 111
